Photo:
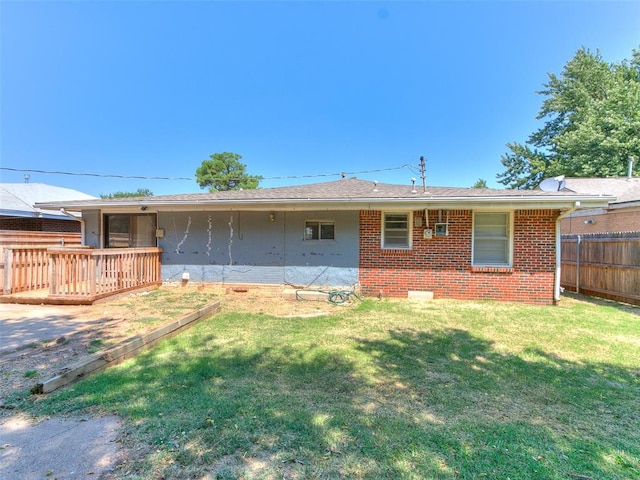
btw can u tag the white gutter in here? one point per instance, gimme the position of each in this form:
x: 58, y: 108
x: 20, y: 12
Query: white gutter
x: 79, y: 219
x: 344, y: 203
x: 556, y: 285
x: 349, y: 205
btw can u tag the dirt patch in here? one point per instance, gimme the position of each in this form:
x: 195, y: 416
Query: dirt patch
x: 136, y: 314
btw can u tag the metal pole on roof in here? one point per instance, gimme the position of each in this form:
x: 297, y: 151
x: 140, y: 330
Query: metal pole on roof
x: 423, y: 169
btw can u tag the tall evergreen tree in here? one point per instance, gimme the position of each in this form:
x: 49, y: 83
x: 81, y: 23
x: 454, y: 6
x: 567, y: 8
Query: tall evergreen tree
x: 224, y: 171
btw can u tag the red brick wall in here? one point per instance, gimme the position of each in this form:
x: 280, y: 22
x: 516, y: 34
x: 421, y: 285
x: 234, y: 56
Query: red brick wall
x: 442, y: 265
x: 26, y: 224
x: 624, y: 220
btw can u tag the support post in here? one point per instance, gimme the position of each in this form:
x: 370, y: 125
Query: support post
x: 578, y: 264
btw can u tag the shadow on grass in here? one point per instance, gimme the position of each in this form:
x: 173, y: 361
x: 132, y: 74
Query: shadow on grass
x: 536, y: 416
x: 414, y: 404
x: 603, y: 302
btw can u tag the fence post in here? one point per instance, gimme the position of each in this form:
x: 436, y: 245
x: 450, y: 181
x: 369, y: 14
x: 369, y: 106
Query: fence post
x: 578, y: 264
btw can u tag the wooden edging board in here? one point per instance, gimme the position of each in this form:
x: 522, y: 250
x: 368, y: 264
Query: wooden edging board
x: 129, y: 348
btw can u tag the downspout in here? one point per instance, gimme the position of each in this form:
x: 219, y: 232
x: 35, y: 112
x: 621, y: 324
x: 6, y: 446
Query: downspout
x: 79, y: 219
x: 556, y: 286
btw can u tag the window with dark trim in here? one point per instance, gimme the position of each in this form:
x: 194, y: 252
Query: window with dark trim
x: 319, y: 230
x: 396, y: 230
x: 128, y: 231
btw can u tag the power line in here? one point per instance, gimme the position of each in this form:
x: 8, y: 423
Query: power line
x: 139, y: 177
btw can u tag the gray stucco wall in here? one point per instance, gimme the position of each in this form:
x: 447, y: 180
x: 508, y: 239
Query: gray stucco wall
x: 246, y: 247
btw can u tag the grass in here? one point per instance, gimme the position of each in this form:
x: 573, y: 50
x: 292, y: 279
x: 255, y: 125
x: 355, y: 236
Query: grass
x: 158, y: 306
x: 438, y: 390
x: 96, y: 345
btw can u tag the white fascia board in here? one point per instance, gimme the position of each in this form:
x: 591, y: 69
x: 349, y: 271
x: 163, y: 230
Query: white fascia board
x: 587, y: 212
x: 451, y: 203
x: 625, y: 205
x: 32, y: 214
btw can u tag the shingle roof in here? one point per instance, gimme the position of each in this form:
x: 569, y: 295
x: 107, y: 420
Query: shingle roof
x: 352, y: 190
x: 624, y: 188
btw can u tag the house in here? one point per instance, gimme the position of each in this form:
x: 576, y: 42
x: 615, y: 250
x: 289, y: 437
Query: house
x: 621, y: 215
x: 17, y: 210
x: 392, y: 240
x: 21, y: 223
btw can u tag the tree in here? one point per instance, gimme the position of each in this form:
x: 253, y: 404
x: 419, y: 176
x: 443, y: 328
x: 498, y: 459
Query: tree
x: 592, y: 124
x: 141, y: 192
x: 480, y: 183
x: 224, y: 171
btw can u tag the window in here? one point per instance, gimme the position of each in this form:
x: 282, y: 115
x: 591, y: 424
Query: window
x: 395, y: 230
x: 319, y: 230
x: 492, y: 239
x: 126, y: 231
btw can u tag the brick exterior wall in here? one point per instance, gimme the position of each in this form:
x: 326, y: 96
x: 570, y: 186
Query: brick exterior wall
x: 39, y: 225
x: 627, y: 220
x: 442, y: 265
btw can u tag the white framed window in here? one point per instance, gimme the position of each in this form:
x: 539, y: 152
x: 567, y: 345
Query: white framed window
x: 319, y: 230
x: 492, y: 239
x: 396, y: 230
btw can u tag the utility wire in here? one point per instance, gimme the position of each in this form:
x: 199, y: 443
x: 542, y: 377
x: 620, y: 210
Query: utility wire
x: 101, y: 175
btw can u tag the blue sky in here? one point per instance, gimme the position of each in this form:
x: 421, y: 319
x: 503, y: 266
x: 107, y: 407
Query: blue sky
x: 302, y: 90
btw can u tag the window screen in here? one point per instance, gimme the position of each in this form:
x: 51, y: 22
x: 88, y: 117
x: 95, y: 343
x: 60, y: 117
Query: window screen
x: 395, y: 230
x: 491, y: 239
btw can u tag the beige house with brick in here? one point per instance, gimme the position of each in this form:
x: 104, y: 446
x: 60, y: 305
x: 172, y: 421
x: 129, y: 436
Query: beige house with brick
x: 621, y: 215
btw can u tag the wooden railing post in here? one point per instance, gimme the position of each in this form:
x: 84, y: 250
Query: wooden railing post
x: 8, y: 269
x: 92, y: 274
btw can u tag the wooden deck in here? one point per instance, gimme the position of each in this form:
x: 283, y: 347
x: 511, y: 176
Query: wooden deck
x: 42, y: 297
x: 77, y: 275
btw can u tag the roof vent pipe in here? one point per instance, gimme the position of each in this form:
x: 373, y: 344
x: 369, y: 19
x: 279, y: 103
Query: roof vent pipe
x: 630, y: 170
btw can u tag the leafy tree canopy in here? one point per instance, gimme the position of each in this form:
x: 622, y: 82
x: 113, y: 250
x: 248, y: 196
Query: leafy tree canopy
x: 224, y: 171
x: 480, y: 183
x: 141, y: 192
x: 592, y: 124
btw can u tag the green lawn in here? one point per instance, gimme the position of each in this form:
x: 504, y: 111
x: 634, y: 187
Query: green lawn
x: 383, y: 389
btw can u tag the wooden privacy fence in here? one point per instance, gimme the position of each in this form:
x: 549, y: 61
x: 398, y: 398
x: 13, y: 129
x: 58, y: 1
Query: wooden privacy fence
x: 81, y: 274
x: 605, y: 265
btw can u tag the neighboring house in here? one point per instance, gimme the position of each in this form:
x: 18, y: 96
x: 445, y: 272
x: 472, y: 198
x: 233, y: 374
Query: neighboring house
x: 392, y: 240
x: 621, y: 215
x: 17, y: 210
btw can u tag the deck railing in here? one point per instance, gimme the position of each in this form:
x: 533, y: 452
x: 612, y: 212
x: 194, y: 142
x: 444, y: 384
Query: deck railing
x: 26, y: 269
x: 31, y: 240
x: 82, y: 272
